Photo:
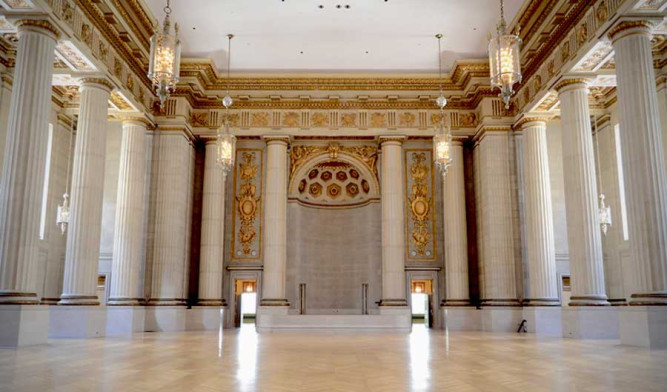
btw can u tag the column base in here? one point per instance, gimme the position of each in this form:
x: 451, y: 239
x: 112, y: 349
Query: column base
x: 501, y: 319
x: 455, y: 302
x: 543, y: 320
x: 204, y: 318
x: 268, y: 315
x: 166, y: 302
x: 590, y: 300
x: 590, y: 322
x: 125, y: 319
x: 23, y: 325
x: 79, y: 300
x: 390, y: 302
x: 648, y: 299
x: 278, y: 302
x: 644, y: 326
x: 165, y: 318
x: 212, y: 302
x: 120, y: 301
x: 18, y: 298
x: 504, y: 302
x: 49, y: 301
x: 541, y: 302
x: 461, y: 318
x: 77, y: 321
x: 618, y: 301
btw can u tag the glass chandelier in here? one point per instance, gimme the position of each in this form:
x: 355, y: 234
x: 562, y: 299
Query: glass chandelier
x: 442, y: 140
x: 62, y: 213
x: 226, y: 142
x: 165, y: 58
x: 604, y: 211
x: 504, y: 59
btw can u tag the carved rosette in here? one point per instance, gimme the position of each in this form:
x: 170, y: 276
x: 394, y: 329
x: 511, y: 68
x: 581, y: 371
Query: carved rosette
x: 246, y: 240
x: 420, y: 222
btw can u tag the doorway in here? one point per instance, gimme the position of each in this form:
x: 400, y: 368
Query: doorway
x: 421, y: 302
x: 246, y: 303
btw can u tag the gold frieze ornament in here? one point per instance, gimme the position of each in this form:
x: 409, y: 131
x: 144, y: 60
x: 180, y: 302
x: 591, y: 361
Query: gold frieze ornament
x: 247, y: 202
x: 419, y: 203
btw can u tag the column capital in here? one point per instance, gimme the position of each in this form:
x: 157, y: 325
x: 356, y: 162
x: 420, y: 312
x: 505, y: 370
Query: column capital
x: 391, y: 139
x: 137, y: 120
x: 41, y: 26
x: 274, y: 139
x: 571, y: 84
x: 630, y: 27
x: 531, y: 120
x: 101, y: 83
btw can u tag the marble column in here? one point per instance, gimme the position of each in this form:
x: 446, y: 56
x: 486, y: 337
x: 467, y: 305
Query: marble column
x: 393, y: 222
x: 275, y: 222
x: 83, y: 237
x: 643, y: 161
x: 583, y: 229
x: 128, y: 235
x: 24, y: 162
x: 540, y: 246
x: 212, y: 230
x: 456, y: 240
x: 498, y: 270
x: 172, y: 190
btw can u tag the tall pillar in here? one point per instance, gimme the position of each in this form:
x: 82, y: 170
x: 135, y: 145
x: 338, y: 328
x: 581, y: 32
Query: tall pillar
x: 83, y: 237
x: 212, y: 230
x: 540, y: 246
x: 498, y: 278
x: 128, y: 235
x: 583, y: 229
x: 456, y: 241
x: 275, y: 223
x: 643, y: 161
x: 24, y: 160
x: 393, y: 222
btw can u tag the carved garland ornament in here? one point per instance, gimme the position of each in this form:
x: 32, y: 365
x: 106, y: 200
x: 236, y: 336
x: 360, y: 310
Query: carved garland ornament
x: 301, y: 154
x: 247, y: 202
x: 419, y: 203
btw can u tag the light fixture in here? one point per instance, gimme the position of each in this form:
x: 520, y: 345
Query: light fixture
x: 62, y: 213
x: 505, y: 59
x: 226, y: 142
x: 165, y: 59
x: 442, y: 140
x: 604, y: 211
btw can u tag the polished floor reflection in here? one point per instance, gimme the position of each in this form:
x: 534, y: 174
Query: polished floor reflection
x: 241, y: 360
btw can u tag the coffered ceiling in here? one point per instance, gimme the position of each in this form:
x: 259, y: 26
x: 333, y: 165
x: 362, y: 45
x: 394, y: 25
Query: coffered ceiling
x: 318, y: 36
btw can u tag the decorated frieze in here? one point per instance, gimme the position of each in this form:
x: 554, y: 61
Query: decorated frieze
x: 420, y: 211
x: 247, y: 216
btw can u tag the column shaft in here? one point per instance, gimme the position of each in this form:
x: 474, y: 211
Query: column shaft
x: 456, y: 240
x: 128, y: 235
x: 83, y: 237
x: 212, y: 230
x: 583, y: 229
x: 393, y: 222
x: 23, y: 167
x: 643, y: 162
x: 540, y: 246
x: 275, y: 223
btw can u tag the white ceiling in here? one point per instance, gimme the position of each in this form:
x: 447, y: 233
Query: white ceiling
x: 370, y: 36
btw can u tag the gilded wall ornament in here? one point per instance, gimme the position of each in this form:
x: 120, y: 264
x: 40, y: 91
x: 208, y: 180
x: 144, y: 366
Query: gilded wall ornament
x: 406, y: 119
x: 601, y: 12
x: 67, y: 12
x: 260, y: 119
x: 130, y: 82
x: 582, y: 34
x: 292, y: 119
x: 103, y: 51
x: 378, y: 120
x: 348, y: 120
x: 199, y: 119
x: 117, y: 68
x: 319, y: 119
x: 300, y: 154
x: 565, y: 52
x: 419, y: 202
x: 86, y: 34
x: 551, y: 68
x: 247, y: 202
x: 467, y: 119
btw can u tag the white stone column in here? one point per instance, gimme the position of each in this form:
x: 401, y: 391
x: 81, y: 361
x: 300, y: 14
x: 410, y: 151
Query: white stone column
x: 24, y: 160
x: 275, y: 222
x: 456, y: 240
x: 498, y: 272
x: 540, y: 246
x: 643, y: 161
x: 128, y: 235
x: 212, y: 230
x: 583, y: 229
x: 83, y: 237
x: 393, y: 222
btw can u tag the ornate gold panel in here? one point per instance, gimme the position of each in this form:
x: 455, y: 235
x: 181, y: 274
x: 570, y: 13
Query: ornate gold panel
x: 420, y: 211
x: 247, y: 218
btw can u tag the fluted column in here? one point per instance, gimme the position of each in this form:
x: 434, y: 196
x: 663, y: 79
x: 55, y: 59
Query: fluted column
x: 128, y: 235
x: 212, y: 230
x: 275, y: 222
x: 456, y: 240
x: 498, y: 278
x: 83, y: 237
x: 24, y: 160
x: 393, y: 222
x: 171, y: 210
x: 583, y: 229
x: 540, y: 246
x: 643, y: 161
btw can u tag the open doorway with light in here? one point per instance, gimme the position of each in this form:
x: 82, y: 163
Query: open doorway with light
x: 246, y: 303
x: 420, y: 302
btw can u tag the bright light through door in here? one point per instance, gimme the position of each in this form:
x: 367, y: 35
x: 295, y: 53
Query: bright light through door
x: 248, y: 308
x: 419, y: 308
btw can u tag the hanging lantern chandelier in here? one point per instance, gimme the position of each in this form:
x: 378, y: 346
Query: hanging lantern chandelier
x: 504, y: 59
x: 442, y: 140
x: 165, y: 58
x: 62, y: 213
x: 226, y: 142
x: 604, y: 211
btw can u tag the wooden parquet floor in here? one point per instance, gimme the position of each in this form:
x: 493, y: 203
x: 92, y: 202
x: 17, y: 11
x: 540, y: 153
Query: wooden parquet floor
x: 241, y: 360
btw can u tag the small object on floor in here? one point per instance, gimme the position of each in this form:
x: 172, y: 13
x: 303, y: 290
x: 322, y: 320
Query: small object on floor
x: 522, y: 327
